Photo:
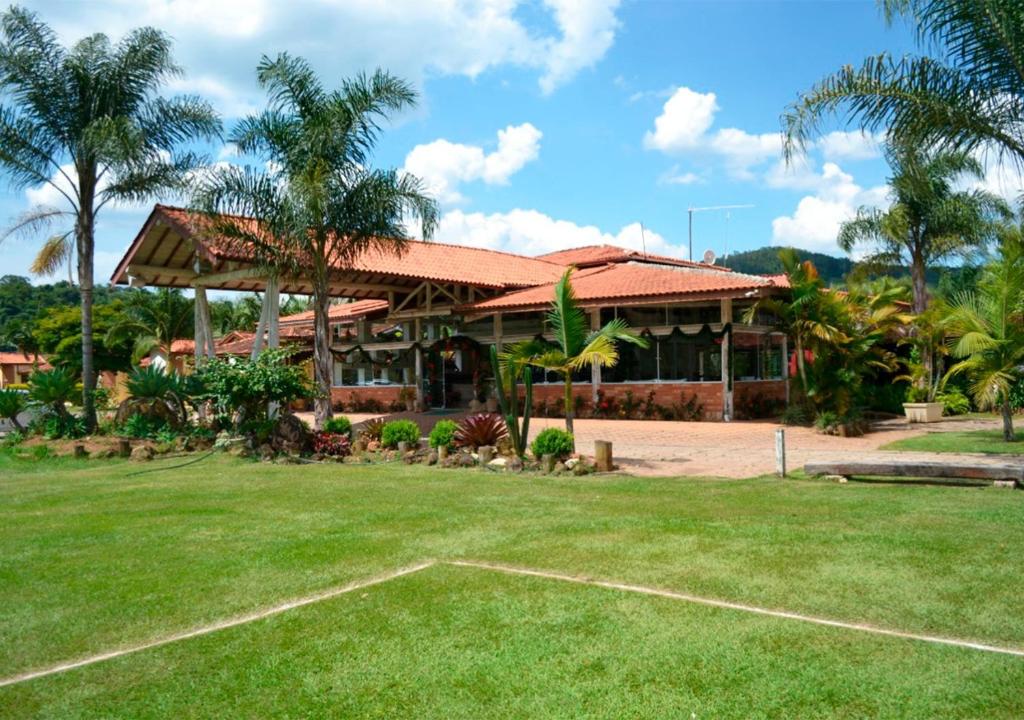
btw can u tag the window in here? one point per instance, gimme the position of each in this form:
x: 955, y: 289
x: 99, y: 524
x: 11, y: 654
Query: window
x: 636, y: 364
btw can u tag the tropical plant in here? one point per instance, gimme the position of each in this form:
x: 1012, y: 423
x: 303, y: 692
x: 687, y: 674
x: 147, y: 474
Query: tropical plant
x: 321, y: 205
x: 443, y: 434
x: 153, y: 320
x: 58, y: 332
x: 244, y: 389
x: 972, y: 101
x: 53, y: 389
x: 397, y: 431
x: 552, y: 441
x: 986, y: 331
x: 339, y: 425
x: 13, y: 404
x: 371, y: 430
x: 332, y: 444
x: 89, y: 122
x: 576, y: 347
x: 156, y: 395
x: 508, y: 371
x: 482, y: 429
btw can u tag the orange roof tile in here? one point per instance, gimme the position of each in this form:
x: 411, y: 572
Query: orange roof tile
x: 339, y: 312
x: 591, y: 255
x: 19, y: 358
x: 622, y: 281
x: 437, y: 262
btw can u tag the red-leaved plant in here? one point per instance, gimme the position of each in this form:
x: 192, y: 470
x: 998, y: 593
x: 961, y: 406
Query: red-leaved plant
x: 332, y: 444
x: 479, y: 430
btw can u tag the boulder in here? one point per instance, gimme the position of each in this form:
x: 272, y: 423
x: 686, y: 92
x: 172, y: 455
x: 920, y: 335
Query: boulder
x: 290, y: 435
x: 515, y: 464
x: 430, y: 458
x: 141, y: 453
x: 498, y: 463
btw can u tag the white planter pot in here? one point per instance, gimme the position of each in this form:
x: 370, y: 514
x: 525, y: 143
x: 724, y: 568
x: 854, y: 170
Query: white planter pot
x: 923, y: 412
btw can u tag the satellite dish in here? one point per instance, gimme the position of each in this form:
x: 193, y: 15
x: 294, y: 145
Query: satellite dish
x: 709, y: 257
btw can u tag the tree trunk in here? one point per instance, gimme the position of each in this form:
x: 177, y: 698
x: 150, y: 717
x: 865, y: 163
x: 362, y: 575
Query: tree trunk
x: 800, y: 363
x: 919, y: 306
x: 569, y: 405
x: 85, y: 245
x: 1008, y: 435
x: 321, y: 354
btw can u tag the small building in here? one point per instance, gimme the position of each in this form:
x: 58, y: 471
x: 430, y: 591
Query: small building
x: 420, y: 323
x: 15, y: 367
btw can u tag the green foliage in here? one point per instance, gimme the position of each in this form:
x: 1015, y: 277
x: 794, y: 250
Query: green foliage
x: 480, y: 430
x: 52, y: 388
x: 63, y: 426
x: 443, y: 434
x: 372, y: 430
x: 140, y: 426
x: 553, y: 441
x: 153, y: 320
x: 507, y: 373
x: 12, y: 404
x: 339, y: 425
x: 152, y: 383
x: 332, y: 444
x: 398, y: 431
x: 246, y: 387
x: 58, y: 332
x: 765, y: 261
x: 954, y: 402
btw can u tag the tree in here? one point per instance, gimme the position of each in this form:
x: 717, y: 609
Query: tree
x: 576, y: 346
x: 929, y: 221
x: 57, y: 334
x: 153, y: 320
x: 87, y: 122
x: 321, y: 205
x: 974, y: 101
x: 986, y: 331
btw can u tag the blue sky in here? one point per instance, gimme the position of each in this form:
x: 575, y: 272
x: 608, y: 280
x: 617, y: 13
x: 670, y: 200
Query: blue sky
x: 545, y: 125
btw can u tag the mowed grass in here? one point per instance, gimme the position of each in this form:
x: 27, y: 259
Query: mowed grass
x: 976, y: 441
x: 94, y: 558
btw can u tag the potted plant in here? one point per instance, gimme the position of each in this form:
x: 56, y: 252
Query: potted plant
x: 921, y: 405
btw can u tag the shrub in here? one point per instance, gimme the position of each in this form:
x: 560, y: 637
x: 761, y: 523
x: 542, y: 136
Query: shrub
x: 372, y: 430
x: 52, y: 388
x: 12, y: 404
x: 796, y: 414
x: 332, y: 444
x: 398, y: 431
x: 552, y: 441
x: 338, y: 425
x: 247, y: 387
x: 443, y: 434
x: 954, y: 402
x: 480, y: 430
x: 141, y: 426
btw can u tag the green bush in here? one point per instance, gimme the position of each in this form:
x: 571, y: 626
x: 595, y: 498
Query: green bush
x: 443, y: 434
x: 954, y: 402
x: 338, y: 425
x: 247, y: 387
x: 12, y: 404
x: 141, y: 426
x: 398, y: 431
x: 552, y: 441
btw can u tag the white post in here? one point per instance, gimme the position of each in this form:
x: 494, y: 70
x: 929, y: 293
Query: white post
x: 726, y: 365
x: 418, y: 373
x: 273, y: 302
x: 261, y: 329
x: 780, y: 452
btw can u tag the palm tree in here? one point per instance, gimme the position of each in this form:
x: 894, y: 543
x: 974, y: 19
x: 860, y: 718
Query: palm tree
x: 974, y: 101
x: 321, y: 205
x: 928, y: 221
x: 87, y: 122
x: 576, y: 347
x: 986, y: 331
x: 154, y: 320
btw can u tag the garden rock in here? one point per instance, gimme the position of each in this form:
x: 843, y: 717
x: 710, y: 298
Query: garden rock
x: 289, y: 435
x: 498, y: 463
x: 265, y: 452
x: 142, y: 453
x: 466, y: 460
x: 559, y: 468
x: 431, y: 458
x: 571, y: 463
x: 515, y: 464
x: 409, y: 458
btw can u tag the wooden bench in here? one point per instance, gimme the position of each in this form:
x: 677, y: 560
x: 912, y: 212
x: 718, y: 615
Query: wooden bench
x: 999, y: 474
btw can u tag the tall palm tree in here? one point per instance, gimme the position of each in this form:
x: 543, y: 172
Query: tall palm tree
x: 321, y: 205
x: 154, y: 320
x: 87, y: 122
x: 973, y: 100
x: 986, y: 331
x: 576, y: 346
x: 928, y: 221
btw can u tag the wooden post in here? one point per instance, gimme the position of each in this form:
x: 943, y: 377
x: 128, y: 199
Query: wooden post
x: 603, y: 455
x: 780, y: 452
x: 499, y: 330
x: 124, y: 447
x: 547, y: 463
x: 80, y: 451
x: 403, y: 447
x: 442, y: 453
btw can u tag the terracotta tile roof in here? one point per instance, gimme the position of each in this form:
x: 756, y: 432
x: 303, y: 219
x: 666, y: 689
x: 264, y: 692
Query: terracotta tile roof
x: 339, y: 312
x: 437, y: 262
x: 591, y: 255
x: 625, y: 281
x: 18, y: 358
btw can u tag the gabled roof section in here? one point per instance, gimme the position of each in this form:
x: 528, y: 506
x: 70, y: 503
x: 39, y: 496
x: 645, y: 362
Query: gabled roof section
x: 340, y: 313
x: 621, y: 283
x: 593, y: 255
x: 421, y: 261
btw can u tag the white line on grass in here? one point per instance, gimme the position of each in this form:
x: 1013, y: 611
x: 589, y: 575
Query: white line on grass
x: 672, y: 595
x: 222, y: 625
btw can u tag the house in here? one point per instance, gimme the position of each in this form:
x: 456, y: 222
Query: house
x: 15, y: 367
x: 421, y: 322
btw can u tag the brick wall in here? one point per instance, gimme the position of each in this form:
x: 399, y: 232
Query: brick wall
x: 385, y: 394
x: 708, y: 394
x: 746, y: 391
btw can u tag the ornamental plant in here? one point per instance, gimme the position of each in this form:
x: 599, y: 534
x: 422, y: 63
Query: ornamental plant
x: 443, y: 434
x: 552, y: 441
x: 12, y: 404
x: 398, y: 431
x: 244, y: 389
x: 332, y: 444
x: 481, y: 430
x: 339, y: 425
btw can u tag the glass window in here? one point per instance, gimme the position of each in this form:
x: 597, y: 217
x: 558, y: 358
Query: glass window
x: 636, y: 364
x: 643, y: 317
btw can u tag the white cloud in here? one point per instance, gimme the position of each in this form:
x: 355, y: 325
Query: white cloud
x: 675, y: 176
x: 444, y: 165
x: 855, y: 145
x: 532, y: 232
x: 684, y: 119
x: 1002, y: 177
x: 221, y: 43
x: 46, y: 195
x: 815, y: 223
x: 742, y: 150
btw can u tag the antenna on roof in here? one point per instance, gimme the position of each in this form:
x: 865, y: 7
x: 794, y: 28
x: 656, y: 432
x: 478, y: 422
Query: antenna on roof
x: 692, y: 210
x: 643, y: 240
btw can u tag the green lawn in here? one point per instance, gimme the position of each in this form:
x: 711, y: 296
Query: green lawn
x: 94, y: 559
x: 976, y: 441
